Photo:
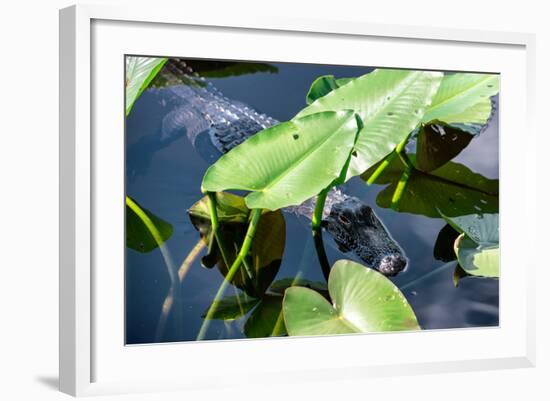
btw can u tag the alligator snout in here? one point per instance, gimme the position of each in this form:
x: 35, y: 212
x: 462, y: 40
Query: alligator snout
x: 355, y: 227
x: 392, y: 264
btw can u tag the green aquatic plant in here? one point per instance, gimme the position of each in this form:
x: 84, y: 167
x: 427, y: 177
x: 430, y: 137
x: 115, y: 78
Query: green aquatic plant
x: 140, y: 71
x: 286, y: 164
x: 144, y: 230
x: 453, y: 189
x: 350, y: 126
x: 477, y: 247
x: 361, y: 301
x: 264, y: 257
x: 390, y: 104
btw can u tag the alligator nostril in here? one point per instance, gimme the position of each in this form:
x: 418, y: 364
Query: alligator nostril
x: 390, y: 265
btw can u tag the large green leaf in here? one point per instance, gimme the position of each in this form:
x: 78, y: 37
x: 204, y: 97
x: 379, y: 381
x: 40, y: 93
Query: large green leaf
x: 288, y: 163
x: 266, y: 252
x: 390, y: 103
x: 477, y: 248
x: 453, y: 189
x: 477, y: 260
x: 464, y: 98
x: 140, y: 71
x: 363, y: 300
x: 144, y: 230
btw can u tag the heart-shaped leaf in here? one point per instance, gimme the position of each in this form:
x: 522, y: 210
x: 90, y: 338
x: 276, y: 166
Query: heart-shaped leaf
x: 289, y: 163
x: 390, y: 104
x: 477, y: 260
x: 464, y: 99
x: 477, y: 248
x: 144, y: 230
x: 140, y: 71
x: 363, y: 300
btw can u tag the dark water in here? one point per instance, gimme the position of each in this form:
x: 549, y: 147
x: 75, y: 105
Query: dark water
x: 165, y: 177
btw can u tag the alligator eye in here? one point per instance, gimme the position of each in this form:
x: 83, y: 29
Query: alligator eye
x: 344, y: 220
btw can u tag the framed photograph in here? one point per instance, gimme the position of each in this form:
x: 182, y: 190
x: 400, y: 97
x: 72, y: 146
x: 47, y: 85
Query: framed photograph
x: 290, y: 200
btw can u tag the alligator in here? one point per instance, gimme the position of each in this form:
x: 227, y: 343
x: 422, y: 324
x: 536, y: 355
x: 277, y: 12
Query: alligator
x: 200, y: 109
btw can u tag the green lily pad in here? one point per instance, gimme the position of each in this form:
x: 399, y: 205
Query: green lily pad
x: 477, y: 260
x: 452, y: 189
x: 389, y: 102
x: 289, y: 163
x: 144, y: 231
x: 266, y: 252
x: 363, y: 300
x: 267, y: 319
x: 477, y: 248
x: 140, y: 71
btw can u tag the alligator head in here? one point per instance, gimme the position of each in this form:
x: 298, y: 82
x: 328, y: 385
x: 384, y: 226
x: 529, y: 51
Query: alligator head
x: 355, y: 227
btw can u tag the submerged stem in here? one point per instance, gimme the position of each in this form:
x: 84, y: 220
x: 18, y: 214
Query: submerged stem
x: 254, y: 220
x: 317, y: 232
x: 169, y: 300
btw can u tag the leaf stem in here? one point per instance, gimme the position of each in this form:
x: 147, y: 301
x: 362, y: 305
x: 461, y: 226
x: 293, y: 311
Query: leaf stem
x: 317, y: 232
x: 254, y: 220
x: 387, y: 160
x: 215, y: 235
x: 400, y: 188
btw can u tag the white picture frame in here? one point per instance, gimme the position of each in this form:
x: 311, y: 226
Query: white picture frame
x: 93, y: 360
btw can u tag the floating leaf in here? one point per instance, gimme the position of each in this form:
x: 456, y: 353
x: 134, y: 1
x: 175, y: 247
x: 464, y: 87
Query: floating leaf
x: 288, y: 163
x: 437, y: 143
x: 363, y: 300
x: 267, y: 319
x: 233, y: 307
x: 140, y: 71
x: 478, y: 260
x: 482, y: 228
x: 144, y: 230
x: 266, y: 251
x: 453, y: 189
x: 464, y: 98
x: 477, y: 248
x: 390, y: 104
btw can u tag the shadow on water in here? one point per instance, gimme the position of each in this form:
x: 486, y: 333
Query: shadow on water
x: 165, y: 175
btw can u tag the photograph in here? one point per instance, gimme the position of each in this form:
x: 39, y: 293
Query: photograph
x: 276, y: 199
